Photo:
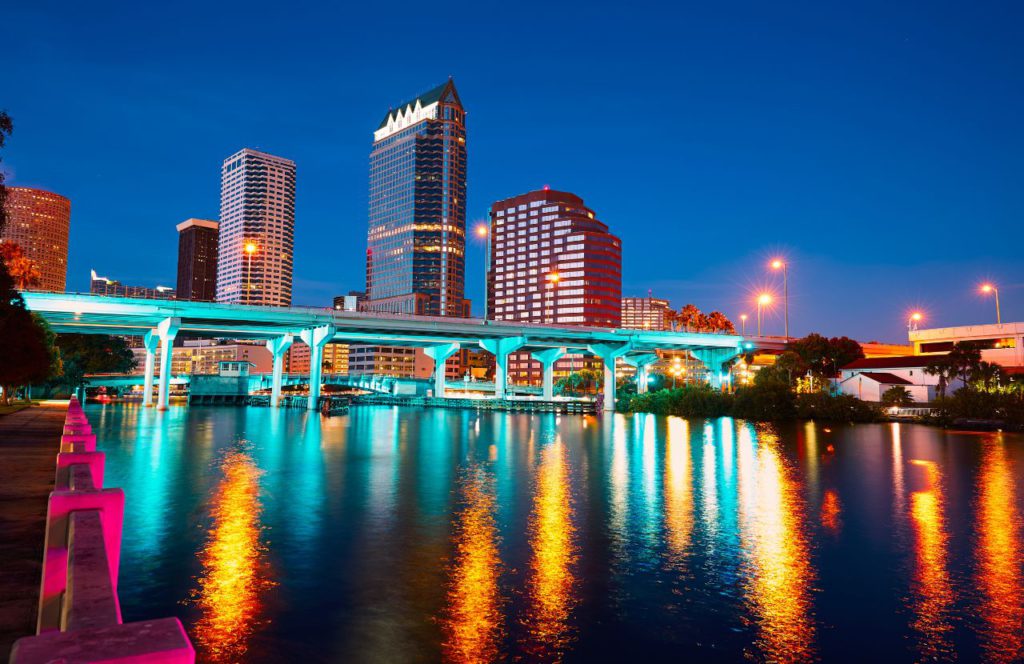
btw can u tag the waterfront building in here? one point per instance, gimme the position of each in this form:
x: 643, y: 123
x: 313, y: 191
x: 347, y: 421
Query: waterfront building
x: 39, y: 222
x: 645, y: 313
x: 1001, y: 344
x: 257, y: 229
x: 203, y: 356
x: 869, y: 378
x: 554, y: 262
x: 397, y: 361
x: 197, y: 260
x: 334, y: 361
x: 416, y: 242
x: 104, y: 286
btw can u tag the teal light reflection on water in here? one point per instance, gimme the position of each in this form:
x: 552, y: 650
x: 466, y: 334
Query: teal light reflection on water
x: 379, y: 532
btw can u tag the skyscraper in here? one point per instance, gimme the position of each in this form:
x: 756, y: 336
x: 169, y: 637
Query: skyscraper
x: 415, y: 256
x: 257, y: 229
x: 552, y: 262
x: 197, y: 260
x: 39, y: 222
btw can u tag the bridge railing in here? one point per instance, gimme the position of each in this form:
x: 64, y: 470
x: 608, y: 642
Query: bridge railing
x: 79, y: 616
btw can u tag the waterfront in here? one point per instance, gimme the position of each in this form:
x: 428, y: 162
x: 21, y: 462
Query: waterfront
x: 397, y: 534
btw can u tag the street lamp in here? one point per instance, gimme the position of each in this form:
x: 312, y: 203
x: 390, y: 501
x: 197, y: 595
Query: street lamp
x: 990, y: 288
x: 763, y: 300
x: 484, y: 232
x: 743, y: 324
x: 554, y: 278
x: 779, y: 264
x: 250, y: 249
x: 915, y: 318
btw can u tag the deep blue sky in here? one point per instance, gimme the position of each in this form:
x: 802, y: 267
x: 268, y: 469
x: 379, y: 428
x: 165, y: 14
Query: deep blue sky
x: 878, y: 145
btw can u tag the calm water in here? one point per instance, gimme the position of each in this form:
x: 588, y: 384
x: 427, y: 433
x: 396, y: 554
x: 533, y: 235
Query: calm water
x: 399, y: 535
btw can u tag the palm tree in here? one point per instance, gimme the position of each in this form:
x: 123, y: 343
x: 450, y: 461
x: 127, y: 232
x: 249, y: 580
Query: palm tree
x: 672, y: 318
x: 719, y: 322
x: 897, y: 396
x: 689, y: 317
x: 987, y: 373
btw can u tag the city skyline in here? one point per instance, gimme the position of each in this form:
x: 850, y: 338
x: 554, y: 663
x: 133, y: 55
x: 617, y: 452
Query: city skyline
x: 763, y: 172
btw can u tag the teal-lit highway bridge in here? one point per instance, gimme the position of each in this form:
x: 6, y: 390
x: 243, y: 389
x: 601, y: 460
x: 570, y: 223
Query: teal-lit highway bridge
x: 158, y: 322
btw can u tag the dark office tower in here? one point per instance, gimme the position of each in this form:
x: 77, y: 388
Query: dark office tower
x: 415, y: 256
x: 197, y: 260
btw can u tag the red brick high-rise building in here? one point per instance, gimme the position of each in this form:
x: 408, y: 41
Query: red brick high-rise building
x: 552, y: 262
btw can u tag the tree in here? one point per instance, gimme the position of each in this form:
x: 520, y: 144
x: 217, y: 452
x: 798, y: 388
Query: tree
x: 672, y: 319
x: 29, y: 353
x: 719, y: 322
x: 83, y: 354
x: 897, y: 396
x: 689, y: 317
x: 987, y: 374
x: 22, y: 269
x: 788, y: 366
x: 825, y: 356
x: 963, y: 361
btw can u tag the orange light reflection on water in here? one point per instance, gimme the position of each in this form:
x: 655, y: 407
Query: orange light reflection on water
x: 998, y: 570
x: 831, y: 512
x: 779, y: 573
x: 932, y: 589
x: 678, y: 487
x: 234, y: 572
x: 552, y: 579
x: 472, y: 623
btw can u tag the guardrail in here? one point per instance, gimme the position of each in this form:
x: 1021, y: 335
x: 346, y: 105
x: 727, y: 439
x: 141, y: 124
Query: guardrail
x: 79, y: 612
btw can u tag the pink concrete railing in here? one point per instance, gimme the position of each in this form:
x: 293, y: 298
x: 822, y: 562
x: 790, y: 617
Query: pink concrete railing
x: 79, y: 613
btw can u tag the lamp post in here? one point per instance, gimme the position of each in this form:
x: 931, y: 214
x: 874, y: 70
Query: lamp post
x: 763, y: 300
x: 553, y: 278
x: 779, y: 264
x: 743, y: 324
x: 991, y: 288
x: 484, y: 232
x: 250, y: 249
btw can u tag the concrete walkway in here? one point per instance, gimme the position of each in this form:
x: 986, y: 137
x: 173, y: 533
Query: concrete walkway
x: 29, y: 442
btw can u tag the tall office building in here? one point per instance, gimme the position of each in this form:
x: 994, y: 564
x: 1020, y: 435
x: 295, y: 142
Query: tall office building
x: 257, y: 229
x: 552, y: 262
x: 415, y: 256
x: 197, y: 260
x: 39, y: 222
x: 645, y: 313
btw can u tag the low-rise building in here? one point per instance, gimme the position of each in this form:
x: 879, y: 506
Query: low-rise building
x: 869, y: 378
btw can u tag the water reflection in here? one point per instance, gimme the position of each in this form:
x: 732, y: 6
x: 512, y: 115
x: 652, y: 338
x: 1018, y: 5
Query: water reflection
x: 551, y: 586
x: 234, y: 572
x: 678, y: 487
x: 831, y: 512
x: 931, y: 587
x: 472, y: 622
x: 998, y: 570
x: 778, y: 569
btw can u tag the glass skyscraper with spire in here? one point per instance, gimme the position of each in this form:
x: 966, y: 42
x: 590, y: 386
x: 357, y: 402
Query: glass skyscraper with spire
x: 416, y: 243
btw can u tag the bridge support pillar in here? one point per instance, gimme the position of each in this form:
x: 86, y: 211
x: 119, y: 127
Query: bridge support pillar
x: 547, y: 359
x: 440, y: 354
x: 167, y: 329
x: 714, y: 360
x: 642, y: 364
x: 501, y: 348
x: 278, y: 347
x: 151, y: 341
x: 316, y: 338
x: 609, y: 352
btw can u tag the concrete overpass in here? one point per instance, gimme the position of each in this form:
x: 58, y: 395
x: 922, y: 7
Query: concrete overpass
x: 158, y: 322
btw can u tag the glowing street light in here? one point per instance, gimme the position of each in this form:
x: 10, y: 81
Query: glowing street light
x: 743, y: 324
x: 483, y: 231
x: 553, y: 278
x: 991, y: 288
x: 763, y: 300
x: 915, y: 318
x: 250, y: 249
x: 779, y: 264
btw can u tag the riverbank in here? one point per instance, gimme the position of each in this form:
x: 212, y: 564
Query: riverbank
x: 29, y: 442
